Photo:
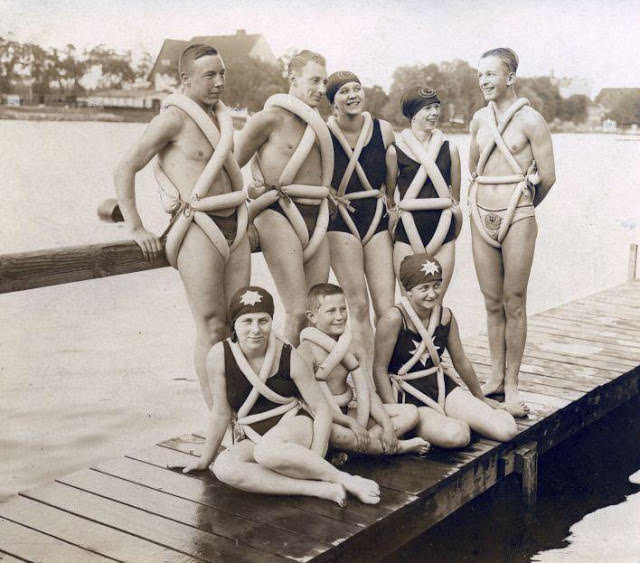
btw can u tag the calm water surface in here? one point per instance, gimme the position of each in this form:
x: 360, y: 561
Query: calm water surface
x: 91, y: 370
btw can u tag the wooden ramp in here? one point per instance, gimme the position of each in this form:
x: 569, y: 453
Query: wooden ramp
x: 582, y: 360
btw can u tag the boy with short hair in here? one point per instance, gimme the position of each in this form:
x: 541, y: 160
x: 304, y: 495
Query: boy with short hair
x: 372, y: 428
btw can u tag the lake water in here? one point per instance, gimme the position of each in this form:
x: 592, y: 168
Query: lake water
x: 91, y: 370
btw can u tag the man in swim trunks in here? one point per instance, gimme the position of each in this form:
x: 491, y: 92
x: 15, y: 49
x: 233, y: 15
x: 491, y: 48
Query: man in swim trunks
x: 327, y: 315
x: 183, y: 152
x: 503, y: 269
x: 274, y: 134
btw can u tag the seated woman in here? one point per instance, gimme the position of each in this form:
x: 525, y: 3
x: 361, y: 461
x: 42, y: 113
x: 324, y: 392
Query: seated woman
x: 426, y: 168
x: 359, y: 239
x: 264, y: 389
x: 410, y: 340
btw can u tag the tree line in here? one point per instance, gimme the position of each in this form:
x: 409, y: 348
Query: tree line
x: 250, y: 82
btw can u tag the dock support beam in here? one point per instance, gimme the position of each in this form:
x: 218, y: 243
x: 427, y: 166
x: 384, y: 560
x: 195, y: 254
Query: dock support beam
x: 633, y: 263
x: 523, y: 461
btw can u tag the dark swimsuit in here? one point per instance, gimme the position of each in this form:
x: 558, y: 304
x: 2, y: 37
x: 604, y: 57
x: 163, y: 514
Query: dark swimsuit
x: 406, y: 345
x: 426, y: 221
x: 227, y: 225
x: 309, y: 214
x: 372, y: 160
x: 239, y: 387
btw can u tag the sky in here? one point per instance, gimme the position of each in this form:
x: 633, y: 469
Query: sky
x: 589, y: 38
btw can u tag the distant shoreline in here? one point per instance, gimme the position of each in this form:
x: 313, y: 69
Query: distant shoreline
x: 135, y: 115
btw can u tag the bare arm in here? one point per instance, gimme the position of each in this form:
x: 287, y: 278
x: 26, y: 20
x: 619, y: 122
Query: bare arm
x: 220, y: 413
x: 542, y: 149
x: 456, y: 173
x: 387, y: 332
x: 162, y: 130
x: 391, y: 160
x: 460, y: 361
x: 255, y: 133
x: 474, y: 149
x: 304, y: 379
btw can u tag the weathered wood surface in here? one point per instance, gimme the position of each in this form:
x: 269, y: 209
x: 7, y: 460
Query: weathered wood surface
x: 136, y: 509
x: 28, y: 270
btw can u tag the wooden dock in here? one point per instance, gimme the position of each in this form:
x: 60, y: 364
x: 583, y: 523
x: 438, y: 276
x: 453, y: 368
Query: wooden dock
x: 582, y: 360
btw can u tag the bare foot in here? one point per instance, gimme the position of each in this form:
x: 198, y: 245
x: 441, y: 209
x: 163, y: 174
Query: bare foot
x: 515, y: 406
x: 413, y: 446
x: 493, y: 386
x: 335, y: 492
x: 338, y: 459
x: 365, y: 490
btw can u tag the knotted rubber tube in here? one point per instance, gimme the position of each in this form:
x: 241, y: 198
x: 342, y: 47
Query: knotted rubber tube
x: 199, y: 205
x: 518, y: 178
x: 316, y: 130
x: 399, y: 381
x: 289, y: 406
x: 410, y: 202
x: 338, y: 353
x: 354, y: 165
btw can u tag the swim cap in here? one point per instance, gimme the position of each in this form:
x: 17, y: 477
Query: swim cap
x: 337, y: 80
x: 419, y: 268
x: 250, y: 299
x: 416, y: 98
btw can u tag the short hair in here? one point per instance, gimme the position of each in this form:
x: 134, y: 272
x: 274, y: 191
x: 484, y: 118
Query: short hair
x: 192, y: 53
x: 320, y: 290
x: 506, y: 55
x: 300, y: 60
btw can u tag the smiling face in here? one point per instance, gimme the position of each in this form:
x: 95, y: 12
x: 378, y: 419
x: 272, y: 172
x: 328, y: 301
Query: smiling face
x: 204, y: 80
x: 425, y: 295
x: 427, y: 118
x: 252, y: 331
x: 494, y: 78
x: 330, y: 316
x: 309, y: 84
x: 349, y: 99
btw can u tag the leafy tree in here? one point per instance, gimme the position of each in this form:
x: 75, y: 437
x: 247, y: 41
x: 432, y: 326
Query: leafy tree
x: 574, y: 108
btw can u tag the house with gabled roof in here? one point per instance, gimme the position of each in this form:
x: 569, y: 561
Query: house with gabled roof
x: 241, y: 45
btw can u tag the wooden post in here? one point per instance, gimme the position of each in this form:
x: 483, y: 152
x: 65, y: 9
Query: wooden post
x: 633, y: 261
x: 526, y: 464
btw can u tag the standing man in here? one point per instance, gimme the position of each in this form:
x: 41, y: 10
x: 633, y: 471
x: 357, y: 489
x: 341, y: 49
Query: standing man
x: 293, y: 165
x: 511, y: 161
x: 200, y: 185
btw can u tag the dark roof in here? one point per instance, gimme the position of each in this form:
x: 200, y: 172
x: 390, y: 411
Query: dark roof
x: 238, y: 45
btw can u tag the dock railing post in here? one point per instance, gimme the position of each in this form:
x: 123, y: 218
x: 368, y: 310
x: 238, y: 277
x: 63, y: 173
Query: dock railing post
x: 633, y: 262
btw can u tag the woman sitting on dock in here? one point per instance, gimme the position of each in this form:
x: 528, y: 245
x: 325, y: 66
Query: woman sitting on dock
x: 410, y: 340
x: 426, y: 167
x: 259, y: 384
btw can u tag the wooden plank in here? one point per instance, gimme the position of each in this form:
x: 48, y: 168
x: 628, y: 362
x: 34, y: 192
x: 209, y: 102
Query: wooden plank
x: 483, y: 371
x: 257, y: 535
x: 27, y: 270
x: 601, y: 315
x: 32, y: 545
x: 170, y: 534
x: 629, y: 302
x: 85, y: 533
x: 587, y: 324
x: 275, y: 511
x: 608, y: 305
x: 553, y: 327
x: 355, y: 512
x: 6, y: 558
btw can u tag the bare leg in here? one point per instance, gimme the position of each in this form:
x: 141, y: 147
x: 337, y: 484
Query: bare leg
x: 400, y: 251
x: 285, y: 450
x: 202, y: 270
x: 237, y: 272
x: 495, y: 424
x: 489, y: 269
x: 237, y: 468
x: 347, y: 264
x: 447, y: 258
x: 378, y: 266
x: 283, y: 253
x: 441, y: 430
x: 517, y: 255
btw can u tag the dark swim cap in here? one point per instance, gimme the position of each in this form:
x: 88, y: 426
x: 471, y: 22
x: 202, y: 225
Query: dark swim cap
x: 250, y: 299
x: 416, y: 98
x: 416, y: 269
x: 337, y: 80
